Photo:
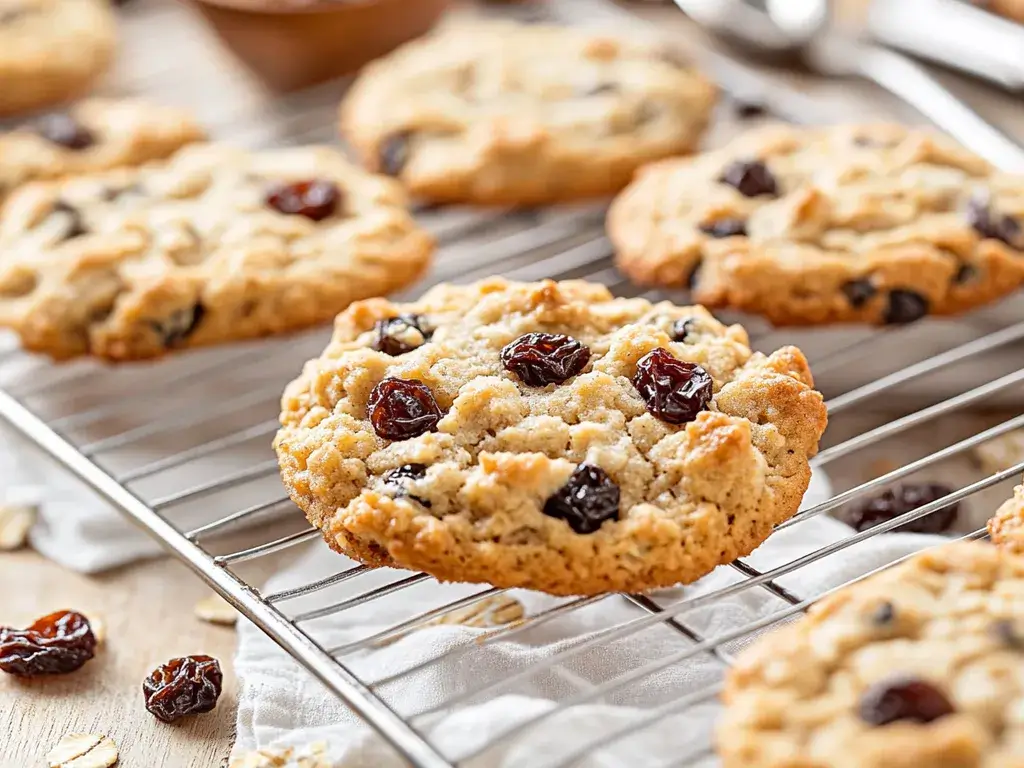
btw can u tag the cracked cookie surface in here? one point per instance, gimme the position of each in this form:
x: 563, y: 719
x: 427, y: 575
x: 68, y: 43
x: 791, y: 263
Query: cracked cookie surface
x: 497, y: 489
x: 52, y: 50
x: 216, y: 244
x: 511, y: 114
x: 873, y: 224
x: 1007, y: 525
x: 93, y: 135
x: 919, y: 665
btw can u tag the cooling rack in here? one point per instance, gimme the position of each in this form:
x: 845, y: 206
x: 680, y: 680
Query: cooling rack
x: 181, y: 447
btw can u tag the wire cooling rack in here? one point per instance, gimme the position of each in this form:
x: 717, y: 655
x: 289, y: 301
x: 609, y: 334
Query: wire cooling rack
x: 181, y: 447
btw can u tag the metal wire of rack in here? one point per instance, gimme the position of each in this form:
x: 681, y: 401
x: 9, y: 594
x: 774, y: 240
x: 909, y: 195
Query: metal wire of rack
x: 198, y: 469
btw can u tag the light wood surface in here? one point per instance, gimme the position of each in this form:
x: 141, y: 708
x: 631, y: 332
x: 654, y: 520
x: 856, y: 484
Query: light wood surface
x: 147, y: 608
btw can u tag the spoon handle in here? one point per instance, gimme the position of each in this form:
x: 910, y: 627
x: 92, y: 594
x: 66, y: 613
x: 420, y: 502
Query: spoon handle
x: 913, y: 84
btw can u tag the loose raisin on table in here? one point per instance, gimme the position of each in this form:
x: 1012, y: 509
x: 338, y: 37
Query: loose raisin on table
x: 675, y: 391
x: 55, y: 644
x: 400, y: 334
x: 539, y: 359
x: 63, y: 130
x: 315, y: 199
x: 402, y: 408
x: 184, y: 686
x: 900, y: 500
x: 903, y: 698
x: 586, y: 501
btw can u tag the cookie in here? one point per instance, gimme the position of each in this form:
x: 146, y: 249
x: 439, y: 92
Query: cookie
x: 511, y: 114
x: 52, y: 50
x: 919, y: 665
x: 1013, y: 9
x: 869, y: 224
x: 547, y: 436
x: 94, y: 135
x: 1006, y: 528
x: 214, y: 245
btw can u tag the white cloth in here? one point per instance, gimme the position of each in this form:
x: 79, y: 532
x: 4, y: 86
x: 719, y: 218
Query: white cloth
x: 281, y: 705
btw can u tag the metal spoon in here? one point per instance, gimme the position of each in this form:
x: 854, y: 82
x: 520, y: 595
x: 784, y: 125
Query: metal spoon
x: 803, y: 28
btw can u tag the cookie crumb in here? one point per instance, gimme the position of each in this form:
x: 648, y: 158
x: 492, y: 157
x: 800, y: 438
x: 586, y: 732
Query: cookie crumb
x: 83, y: 750
x: 214, y: 609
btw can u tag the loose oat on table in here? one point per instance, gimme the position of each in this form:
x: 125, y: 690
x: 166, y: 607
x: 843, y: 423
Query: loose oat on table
x: 313, y: 756
x: 649, y: 445
x: 874, y: 223
x: 16, y: 520
x: 919, y: 665
x: 92, y: 135
x: 1007, y: 525
x: 514, y: 114
x: 214, y: 609
x: 52, y: 50
x: 83, y: 750
x: 217, y: 244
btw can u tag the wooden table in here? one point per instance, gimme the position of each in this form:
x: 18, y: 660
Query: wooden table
x: 148, y: 607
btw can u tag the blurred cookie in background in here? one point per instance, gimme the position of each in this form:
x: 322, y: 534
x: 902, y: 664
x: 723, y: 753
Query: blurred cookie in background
x: 52, y: 50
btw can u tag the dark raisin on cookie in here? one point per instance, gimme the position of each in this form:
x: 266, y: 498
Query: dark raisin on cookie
x: 883, y: 615
x: 674, y: 391
x: 900, y: 500
x: 63, y: 130
x: 694, y: 277
x: 682, y: 328
x: 395, y: 478
x: 1008, y: 633
x: 539, y: 359
x: 725, y: 228
x: 400, y: 334
x: 401, y: 409
x: 316, y: 199
x: 989, y: 223
x: 751, y: 178
x: 903, y: 698
x: 965, y: 273
x: 588, y: 500
x: 748, y: 109
x: 72, y: 223
x: 179, y: 325
x: 859, y: 291
x: 394, y: 153
x: 903, y: 306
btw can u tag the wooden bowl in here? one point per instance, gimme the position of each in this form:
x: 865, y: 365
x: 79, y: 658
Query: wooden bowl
x: 290, y: 44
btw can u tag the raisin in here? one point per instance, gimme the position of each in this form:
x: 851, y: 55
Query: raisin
x: 674, y: 391
x: 55, y: 644
x: 682, y: 328
x: 751, y: 178
x: 900, y: 500
x: 884, y: 614
x: 539, y: 359
x: 725, y: 228
x: 71, y: 220
x: 315, y: 199
x: 63, y: 130
x: 394, y: 153
x: 964, y: 274
x: 903, y: 698
x: 746, y: 109
x: 586, y: 501
x: 185, y: 686
x: 402, y: 408
x: 859, y: 292
x: 401, y: 334
x: 991, y: 224
x: 181, y: 324
x: 394, y: 478
x: 694, y: 277
x: 597, y: 89
x: 904, y: 307
x: 1006, y: 631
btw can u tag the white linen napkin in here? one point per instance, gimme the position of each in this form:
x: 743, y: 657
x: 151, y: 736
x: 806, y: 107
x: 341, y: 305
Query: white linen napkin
x: 282, y: 705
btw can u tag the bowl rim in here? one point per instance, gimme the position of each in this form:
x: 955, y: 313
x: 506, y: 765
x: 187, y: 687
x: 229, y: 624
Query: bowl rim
x: 308, y: 7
